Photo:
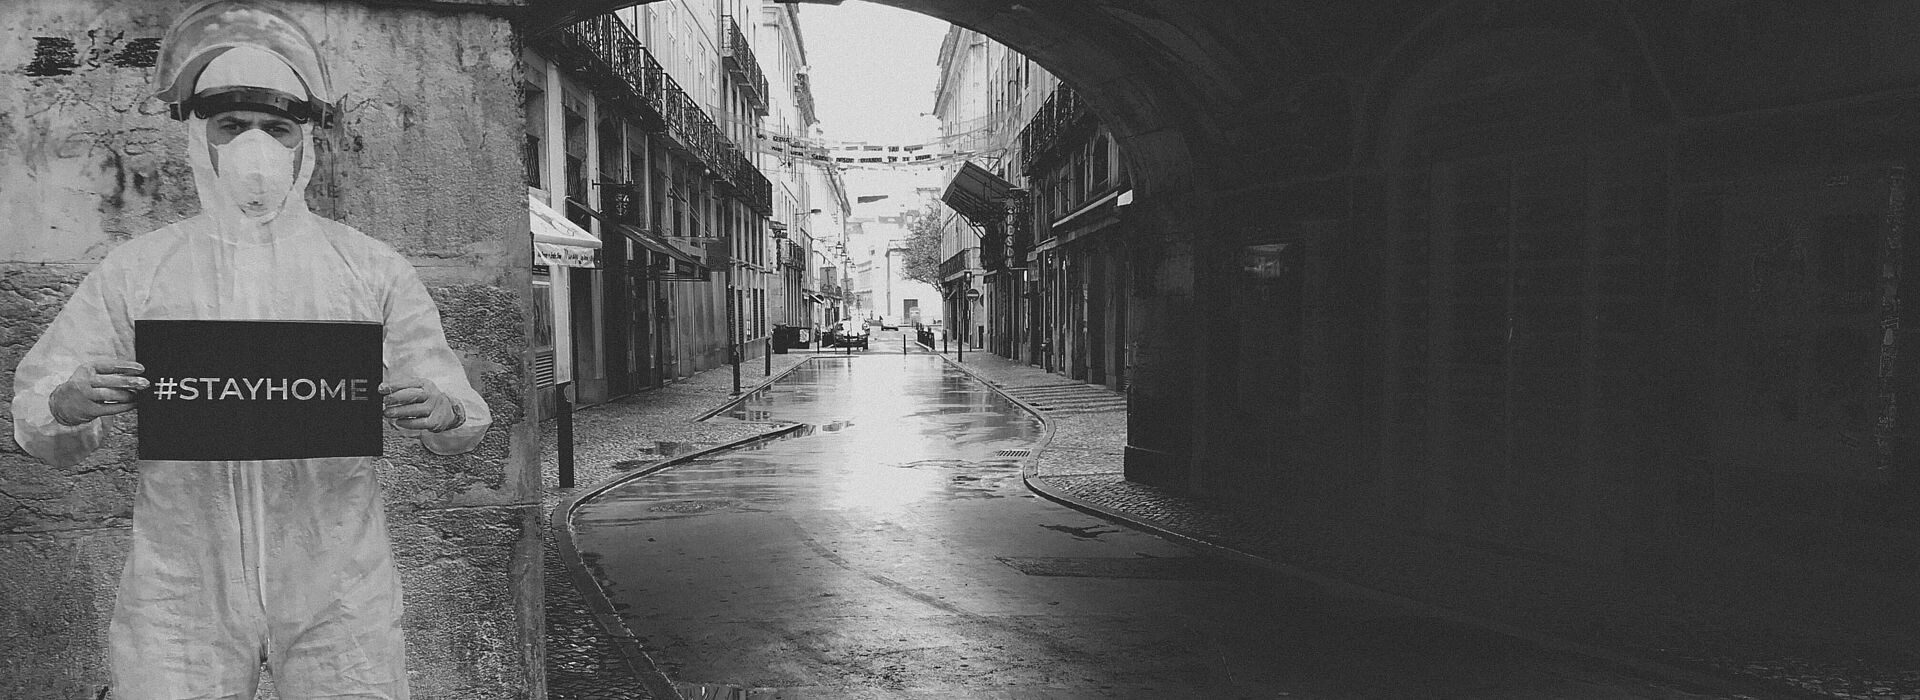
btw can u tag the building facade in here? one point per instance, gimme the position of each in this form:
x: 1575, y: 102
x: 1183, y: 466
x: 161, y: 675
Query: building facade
x: 643, y: 128
x: 1034, y: 254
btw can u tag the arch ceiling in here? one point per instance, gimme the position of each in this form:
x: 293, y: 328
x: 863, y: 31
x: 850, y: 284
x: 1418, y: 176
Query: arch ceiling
x: 1163, y: 74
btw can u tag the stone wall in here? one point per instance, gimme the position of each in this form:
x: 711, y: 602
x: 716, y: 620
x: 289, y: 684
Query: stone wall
x: 426, y: 159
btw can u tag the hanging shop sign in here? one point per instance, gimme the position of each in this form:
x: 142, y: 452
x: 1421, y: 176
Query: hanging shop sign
x: 622, y: 202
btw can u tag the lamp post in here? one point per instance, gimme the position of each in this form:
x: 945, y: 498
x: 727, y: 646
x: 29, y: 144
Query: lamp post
x: 733, y: 319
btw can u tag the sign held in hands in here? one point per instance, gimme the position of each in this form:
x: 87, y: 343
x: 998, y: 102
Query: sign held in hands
x: 252, y: 390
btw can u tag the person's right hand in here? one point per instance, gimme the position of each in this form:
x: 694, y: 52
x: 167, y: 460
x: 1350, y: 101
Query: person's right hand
x: 99, y: 389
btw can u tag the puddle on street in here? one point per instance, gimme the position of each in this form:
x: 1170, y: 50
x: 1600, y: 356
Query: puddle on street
x: 876, y: 433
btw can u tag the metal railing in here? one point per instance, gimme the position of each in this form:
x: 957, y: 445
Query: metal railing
x: 966, y: 259
x: 1061, y: 119
x: 738, y: 58
x: 614, y: 62
x: 803, y: 98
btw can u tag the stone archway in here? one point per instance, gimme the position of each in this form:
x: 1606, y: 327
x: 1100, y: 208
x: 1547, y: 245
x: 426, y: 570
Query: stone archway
x: 1187, y: 90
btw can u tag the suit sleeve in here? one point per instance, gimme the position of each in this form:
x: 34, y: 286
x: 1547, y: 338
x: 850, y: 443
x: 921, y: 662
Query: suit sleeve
x: 416, y: 346
x: 86, y: 330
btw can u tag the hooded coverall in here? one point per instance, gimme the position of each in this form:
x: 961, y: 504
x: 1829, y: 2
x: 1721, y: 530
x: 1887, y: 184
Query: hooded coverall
x: 236, y: 562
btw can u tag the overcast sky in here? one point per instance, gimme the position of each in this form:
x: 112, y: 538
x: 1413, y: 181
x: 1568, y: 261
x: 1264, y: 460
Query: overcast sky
x: 873, y: 78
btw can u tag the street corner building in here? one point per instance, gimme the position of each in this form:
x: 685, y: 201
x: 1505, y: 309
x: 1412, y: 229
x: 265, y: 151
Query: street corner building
x: 89, y: 161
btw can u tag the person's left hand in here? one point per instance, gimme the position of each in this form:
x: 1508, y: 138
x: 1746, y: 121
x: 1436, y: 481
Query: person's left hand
x: 416, y: 404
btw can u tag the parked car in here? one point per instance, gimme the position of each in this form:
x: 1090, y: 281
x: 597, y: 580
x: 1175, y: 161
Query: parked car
x: 890, y: 323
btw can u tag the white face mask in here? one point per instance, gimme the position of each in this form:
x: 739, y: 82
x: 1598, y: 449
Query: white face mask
x: 255, y: 172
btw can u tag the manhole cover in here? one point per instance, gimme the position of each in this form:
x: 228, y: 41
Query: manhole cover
x: 693, y: 506
x: 1168, y: 568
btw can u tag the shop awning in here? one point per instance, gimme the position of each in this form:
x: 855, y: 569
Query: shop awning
x: 979, y: 195
x: 682, y: 265
x: 653, y: 241
x: 556, y: 241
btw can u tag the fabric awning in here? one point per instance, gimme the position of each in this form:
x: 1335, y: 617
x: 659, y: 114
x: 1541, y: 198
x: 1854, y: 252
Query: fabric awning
x: 556, y: 241
x: 652, y: 241
x: 647, y: 239
x: 979, y: 195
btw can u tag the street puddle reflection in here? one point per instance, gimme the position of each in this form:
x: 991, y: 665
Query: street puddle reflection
x: 878, y: 433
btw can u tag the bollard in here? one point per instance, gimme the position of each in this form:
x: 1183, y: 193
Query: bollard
x: 565, y: 410
x: 769, y: 356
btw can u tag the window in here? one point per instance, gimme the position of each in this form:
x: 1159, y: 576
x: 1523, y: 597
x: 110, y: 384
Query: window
x: 576, y: 144
x: 657, y: 204
x: 533, y: 107
x: 1100, y: 162
x: 1082, y: 185
x: 610, y: 153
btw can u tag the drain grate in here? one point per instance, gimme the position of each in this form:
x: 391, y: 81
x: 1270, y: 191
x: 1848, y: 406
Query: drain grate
x: 1013, y: 453
x: 694, y: 506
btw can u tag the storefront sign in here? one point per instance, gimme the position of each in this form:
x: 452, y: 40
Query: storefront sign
x: 250, y: 390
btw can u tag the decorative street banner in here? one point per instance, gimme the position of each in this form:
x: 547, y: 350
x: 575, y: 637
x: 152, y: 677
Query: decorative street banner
x: 247, y: 390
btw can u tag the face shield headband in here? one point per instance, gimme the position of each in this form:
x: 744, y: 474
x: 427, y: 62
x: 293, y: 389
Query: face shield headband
x: 212, y: 102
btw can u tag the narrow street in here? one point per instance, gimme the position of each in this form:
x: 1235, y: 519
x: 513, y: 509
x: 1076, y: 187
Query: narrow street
x: 889, y: 549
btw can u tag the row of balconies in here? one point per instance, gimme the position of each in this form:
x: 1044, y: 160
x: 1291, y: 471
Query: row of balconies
x: 738, y: 58
x: 614, y: 62
x: 1057, y: 126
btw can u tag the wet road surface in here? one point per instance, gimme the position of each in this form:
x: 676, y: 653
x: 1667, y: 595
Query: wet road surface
x: 890, y: 550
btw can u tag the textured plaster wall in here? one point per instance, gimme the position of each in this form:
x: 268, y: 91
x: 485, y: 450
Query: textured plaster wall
x: 426, y: 159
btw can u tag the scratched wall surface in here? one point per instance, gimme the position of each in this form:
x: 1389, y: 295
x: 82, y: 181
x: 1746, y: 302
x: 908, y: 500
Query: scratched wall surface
x: 425, y: 159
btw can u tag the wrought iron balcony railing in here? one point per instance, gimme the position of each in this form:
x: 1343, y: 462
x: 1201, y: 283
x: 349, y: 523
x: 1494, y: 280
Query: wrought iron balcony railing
x: 967, y: 259
x: 803, y: 98
x: 738, y: 58
x: 1057, y: 126
x: 612, y: 60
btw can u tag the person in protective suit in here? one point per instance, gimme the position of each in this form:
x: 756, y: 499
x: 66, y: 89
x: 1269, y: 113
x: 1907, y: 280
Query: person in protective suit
x: 236, y: 563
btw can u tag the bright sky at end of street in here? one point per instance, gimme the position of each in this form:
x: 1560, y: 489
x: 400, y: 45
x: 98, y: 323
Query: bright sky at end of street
x: 873, y: 75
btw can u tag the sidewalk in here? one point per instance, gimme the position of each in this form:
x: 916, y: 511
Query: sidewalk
x: 584, y: 660
x: 1081, y: 466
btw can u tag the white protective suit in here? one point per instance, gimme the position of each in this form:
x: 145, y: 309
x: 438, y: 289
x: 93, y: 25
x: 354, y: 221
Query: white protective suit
x: 235, y: 562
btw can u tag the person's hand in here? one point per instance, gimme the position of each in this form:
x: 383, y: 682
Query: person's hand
x: 97, y: 389
x: 416, y: 404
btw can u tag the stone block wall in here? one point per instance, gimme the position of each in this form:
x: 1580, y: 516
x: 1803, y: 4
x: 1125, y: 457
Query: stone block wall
x: 426, y: 158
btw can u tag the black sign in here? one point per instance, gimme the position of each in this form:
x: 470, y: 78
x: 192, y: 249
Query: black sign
x: 249, y: 390
x: 622, y: 202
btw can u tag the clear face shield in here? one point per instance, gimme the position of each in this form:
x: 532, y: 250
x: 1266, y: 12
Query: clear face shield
x: 248, y: 130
